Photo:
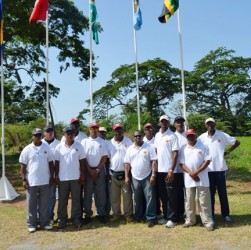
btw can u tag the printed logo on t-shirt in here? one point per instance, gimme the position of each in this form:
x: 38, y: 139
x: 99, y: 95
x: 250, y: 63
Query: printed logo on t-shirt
x: 199, y: 152
x: 219, y: 140
x: 45, y: 152
x: 167, y: 140
x: 76, y: 149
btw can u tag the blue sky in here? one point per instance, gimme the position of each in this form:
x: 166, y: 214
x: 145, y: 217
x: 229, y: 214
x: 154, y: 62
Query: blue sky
x: 205, y: 26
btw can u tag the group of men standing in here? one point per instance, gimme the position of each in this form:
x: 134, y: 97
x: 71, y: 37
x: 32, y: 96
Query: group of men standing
x: 153, y: 175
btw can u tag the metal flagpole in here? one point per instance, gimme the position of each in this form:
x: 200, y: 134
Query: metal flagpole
x: 7, y: 192
x: 136, y: 70
x: 47, y: 69
x: 182, y: 68
x: 91, y: 95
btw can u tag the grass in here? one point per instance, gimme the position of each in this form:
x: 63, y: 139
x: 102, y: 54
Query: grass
x: 119, y: 235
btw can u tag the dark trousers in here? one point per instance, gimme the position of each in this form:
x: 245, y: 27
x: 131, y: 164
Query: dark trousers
x: 168, y: 195
x: 217, y: 182
x: 180, y: 196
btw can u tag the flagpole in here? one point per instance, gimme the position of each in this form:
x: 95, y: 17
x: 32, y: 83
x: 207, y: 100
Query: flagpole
x: 91, y: 91
x: 136, y: 68
x: 182, y: 68
x: 47, y: 68
x: 2, y: 103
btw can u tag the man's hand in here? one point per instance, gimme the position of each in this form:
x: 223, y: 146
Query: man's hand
x: 93, y: 173
x: 127, y: 180
x: 170, y: 176
x: 57, y: 181
x: 152, y: 180
x: 194, y: 176
x: 51, y: 181
x: 26, y: 184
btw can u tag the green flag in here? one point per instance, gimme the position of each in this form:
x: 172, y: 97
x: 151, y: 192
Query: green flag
x: 93, y: 18
x: 170, y: 6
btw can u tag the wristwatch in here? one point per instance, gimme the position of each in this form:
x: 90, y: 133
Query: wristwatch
x: 97, y: 170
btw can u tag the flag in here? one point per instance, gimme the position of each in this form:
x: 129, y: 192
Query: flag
x: 93, y: 19
x: 39, y: 11
x: 137, y: 18
x: 1, y: 30
x: 170, y: 6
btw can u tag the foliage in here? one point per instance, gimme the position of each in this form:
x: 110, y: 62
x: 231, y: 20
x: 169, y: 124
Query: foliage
x: 220, y: 86
x: 158, y: 82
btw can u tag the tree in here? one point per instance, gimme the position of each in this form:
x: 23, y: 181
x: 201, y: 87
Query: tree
x: 24, y: 46
x: 220, y: 86
x: 158, y: 82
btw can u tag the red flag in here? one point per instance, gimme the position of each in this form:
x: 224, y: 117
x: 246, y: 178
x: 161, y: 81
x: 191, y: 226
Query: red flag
x: 39, y: 11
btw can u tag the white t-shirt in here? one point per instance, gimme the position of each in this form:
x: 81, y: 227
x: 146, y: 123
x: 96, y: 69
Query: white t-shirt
x: 118, y: 154
x: 216, y: 145
x: 148, y: 141
x: 95, y: 149
x: 37, y: 161
x: 77, y: 138
x: 68, y: 157
x: 193, y: 157
x: 140, y: 160
x: 52, y: 145
x: 165, y: 144
x: 182, y: 141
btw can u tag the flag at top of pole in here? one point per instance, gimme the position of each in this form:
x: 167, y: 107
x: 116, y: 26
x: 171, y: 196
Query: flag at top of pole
x: 93, y: 19
x: 1, y: 27
x: 137, y: 18
x: 170, y: 6
x: 39, y: 11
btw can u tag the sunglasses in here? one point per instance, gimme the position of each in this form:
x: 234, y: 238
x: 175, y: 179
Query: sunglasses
x: 148, y: 128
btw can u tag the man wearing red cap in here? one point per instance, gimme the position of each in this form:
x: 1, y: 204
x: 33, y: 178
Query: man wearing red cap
x: 194, y: 160
x: 148, y: 131
x: 120, y: 145
x: 96, y: 156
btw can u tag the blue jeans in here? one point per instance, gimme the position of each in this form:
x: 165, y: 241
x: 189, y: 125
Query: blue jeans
x: 141, y: 189
x: 217, y: 181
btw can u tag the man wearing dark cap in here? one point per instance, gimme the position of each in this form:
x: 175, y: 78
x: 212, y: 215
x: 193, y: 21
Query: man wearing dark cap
x: 217, y: 141
x: 148, y: 131
x: 194, y: 160
x: 37, y: 171
x: 118, y: 186
x: 50, y: 139
x: 166, y: 144
x: 78, y: 135
x: 96, y: 156
x: 69, y: 176
x: 181, y: 135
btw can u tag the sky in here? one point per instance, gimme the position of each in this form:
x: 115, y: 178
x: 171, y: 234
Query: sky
x: 205, y: 26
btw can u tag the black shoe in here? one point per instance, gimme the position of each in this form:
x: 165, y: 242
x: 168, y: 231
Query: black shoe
x: 102, y: 219
x: 150, y: 223
x: 61, y: 226
x: 86, y: 220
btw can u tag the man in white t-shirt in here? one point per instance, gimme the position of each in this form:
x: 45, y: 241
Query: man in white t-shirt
x: 50, y: 139
x: 140, y: 159
x: 194, y: 160
x: 217, y: 141
x: 96, y: 156
x: 166, y: 144
x: 180, y: 133
x: 37, y: 171
x: 117, y: 170
x: 69, y: 176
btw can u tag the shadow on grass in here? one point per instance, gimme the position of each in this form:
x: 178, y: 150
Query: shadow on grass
x: 239, y: 175
x: 237, y: 221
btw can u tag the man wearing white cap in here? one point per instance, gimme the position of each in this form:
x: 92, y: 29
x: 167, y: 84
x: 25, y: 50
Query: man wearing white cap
x: 194, y: 160
x: 217, y: 141
x: 166, y: 144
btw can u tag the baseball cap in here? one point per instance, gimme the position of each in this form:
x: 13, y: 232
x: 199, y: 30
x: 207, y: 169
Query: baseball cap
x: 117, y: 125
x: 179, y: 118
x: 102, y: 129
x: 36, y: 131
x: 163, y: 117
x: 190, y: 131
x: 68, y: 129
x: 148, y: 125
x: 74, y: 120
x: 93, y: 125
x: 48, y: 128
x: 209, y: 120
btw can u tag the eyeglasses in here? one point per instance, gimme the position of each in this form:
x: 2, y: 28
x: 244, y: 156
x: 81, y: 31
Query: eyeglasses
x: 137, y: 136
x: 148, y: 128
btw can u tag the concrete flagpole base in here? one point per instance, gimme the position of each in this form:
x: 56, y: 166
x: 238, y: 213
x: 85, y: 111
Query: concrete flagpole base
x: 7, y: 192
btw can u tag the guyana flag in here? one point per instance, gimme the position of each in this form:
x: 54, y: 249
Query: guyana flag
x: 170, y: 6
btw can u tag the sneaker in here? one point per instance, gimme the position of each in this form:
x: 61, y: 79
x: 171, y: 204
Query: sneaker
x: 114, y: 218
x: 170, y: 224
x: 31, y: 229
x: 227, y: 219
x: 210, y: 228
x: 129, y: 219
x: 162, y: 221
x: 48, y: 227
x: 150, y: 223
